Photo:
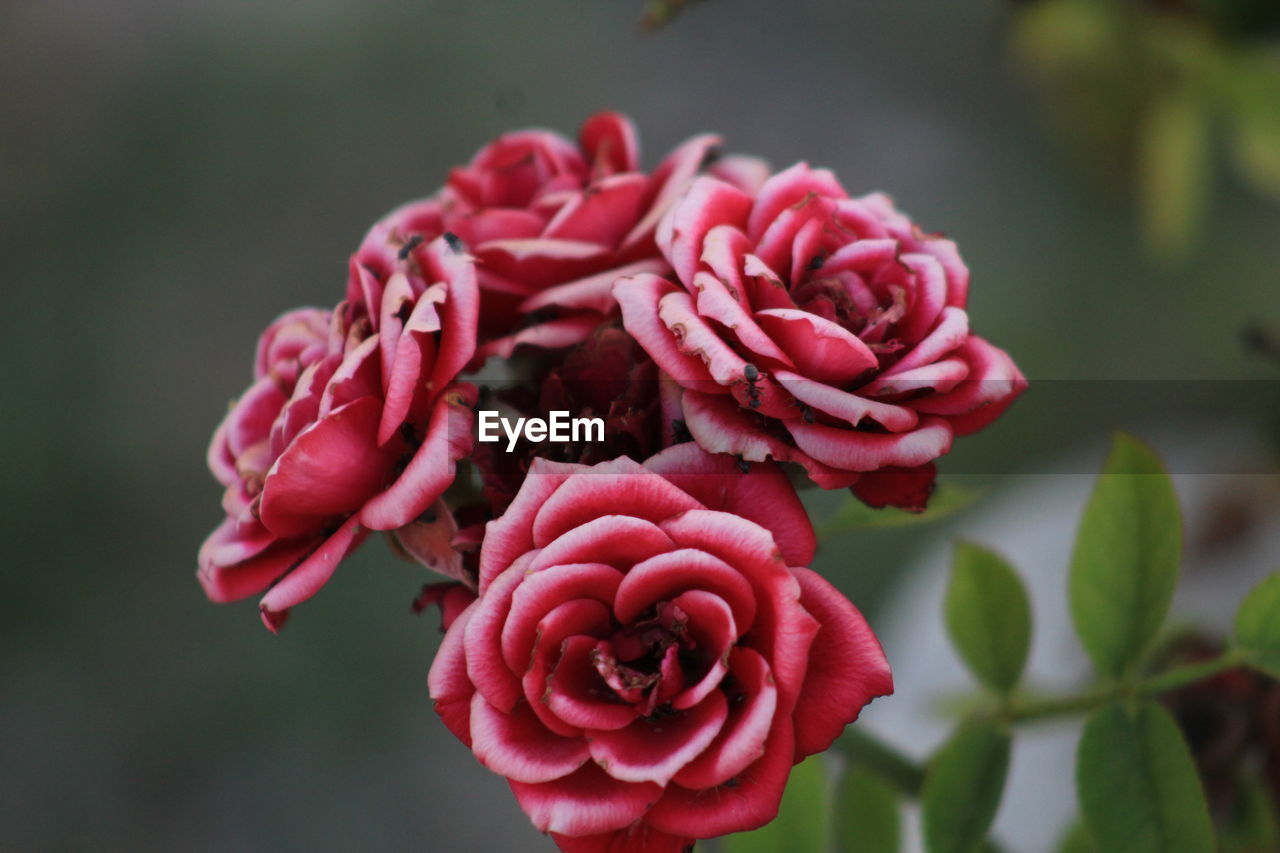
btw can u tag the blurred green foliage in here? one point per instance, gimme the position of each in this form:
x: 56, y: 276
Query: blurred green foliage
x: 1152, y: 91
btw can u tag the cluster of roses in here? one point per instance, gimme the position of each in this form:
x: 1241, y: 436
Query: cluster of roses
x: 633, y: 638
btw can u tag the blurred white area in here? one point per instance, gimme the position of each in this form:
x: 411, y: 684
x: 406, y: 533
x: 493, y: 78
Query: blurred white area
x: 1231, y: 541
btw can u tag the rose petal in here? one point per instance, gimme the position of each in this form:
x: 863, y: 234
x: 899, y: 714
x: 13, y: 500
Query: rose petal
x: 704, y: 205
x: 620, y: 541
x: 511, y: 535
x: 518, y: 746
x: 715, y: 302
x: 330, y: 469
x: 741, y: 740
x: 765, y: 497
x: 670, y: 179
x: 449, y: 685
x: 620, y: 487
x: 847, y: 667
x: 602, y: 213
x: 638, y: 297
x: 782, y: 630
x: 415, y: 352
x: 714, y: 633
x: 431, y: 470
x: 586, y: 802
x: 579, y: 696
x: 610, y: 142
x: 720, y: 426
x: 540, y: 592
x: 785, y: 189
x: 819, y: 348
x: 665, y: 576
x: 654, y: 750
x: 850, y: 408
x: 639, y: 837
x: 855, y: 450
x: 233, y: 567
x: 593, y: 293
x: 746, y: 801
x: 695, y: 337
x: 305, y: 579
x: 486, y: 666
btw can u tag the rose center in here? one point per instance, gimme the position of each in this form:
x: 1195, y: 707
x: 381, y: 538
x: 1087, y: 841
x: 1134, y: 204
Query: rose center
x: 649, y: 661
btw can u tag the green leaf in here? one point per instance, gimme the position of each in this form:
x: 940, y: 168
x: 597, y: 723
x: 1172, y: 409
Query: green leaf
x: 1174, y: 150
x: 1255, y: 124
x: 804, y: 819
x: 1077, y: 840
x: 1258, y: 625
x: 963, y: 787
x: 855, y: 515
x: 869, y: 817
x: 988, y: 616
x: 1125, y: 563
x: 1137, y: 784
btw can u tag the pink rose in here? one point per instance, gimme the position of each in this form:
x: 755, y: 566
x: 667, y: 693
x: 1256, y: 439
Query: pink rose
x: 648, y: 657
x: 551, y: 224
x: 811, y: 327
x: 353, y: 422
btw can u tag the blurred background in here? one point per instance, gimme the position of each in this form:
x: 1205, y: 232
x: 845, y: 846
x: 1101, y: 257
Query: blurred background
x: 175, y: 175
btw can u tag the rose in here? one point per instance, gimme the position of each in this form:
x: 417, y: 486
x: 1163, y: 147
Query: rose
x: 353, y: 422
x: 821, y: 329
x: 648, y: 657
x: 551, y: 223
